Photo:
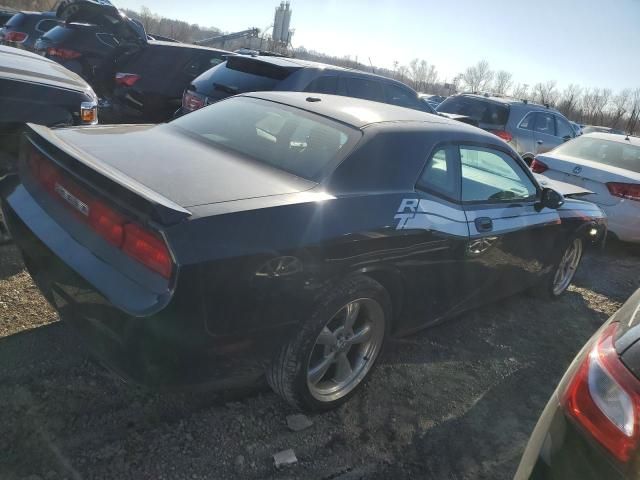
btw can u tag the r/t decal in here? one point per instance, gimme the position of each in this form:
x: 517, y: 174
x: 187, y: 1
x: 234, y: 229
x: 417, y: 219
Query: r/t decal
x: 407, y: 211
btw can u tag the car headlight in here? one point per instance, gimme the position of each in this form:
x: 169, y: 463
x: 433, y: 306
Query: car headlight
x: 89, y: 113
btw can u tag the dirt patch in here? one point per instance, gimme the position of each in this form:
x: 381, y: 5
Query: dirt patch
x: 457, y: 401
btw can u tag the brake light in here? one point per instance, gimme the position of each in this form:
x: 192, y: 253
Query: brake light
x: 63, y: 53
x: 148, y: 249
x: 192, y: 101
x: 630, y: 191
x: 538, y: 167
x: 15, y: 37
x: 604, y: 398
x: 506, y: 136
x: 140, y: 243
x: 126, y: 79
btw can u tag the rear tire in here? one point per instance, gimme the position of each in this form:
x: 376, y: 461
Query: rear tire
x: 335, y: 349
x: 558, y: 280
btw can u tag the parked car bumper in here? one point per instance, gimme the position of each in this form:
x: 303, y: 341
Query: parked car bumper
x: 624, y: 220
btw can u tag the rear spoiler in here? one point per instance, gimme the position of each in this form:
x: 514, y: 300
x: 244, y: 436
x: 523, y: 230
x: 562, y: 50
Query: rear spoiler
x: 103, y: 178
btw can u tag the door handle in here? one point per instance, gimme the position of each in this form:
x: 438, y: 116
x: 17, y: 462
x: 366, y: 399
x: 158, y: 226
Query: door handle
x: 539, y: 142
x: 484, y: 224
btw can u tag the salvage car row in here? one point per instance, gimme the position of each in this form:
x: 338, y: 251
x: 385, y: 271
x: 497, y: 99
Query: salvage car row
x: 289, y: 233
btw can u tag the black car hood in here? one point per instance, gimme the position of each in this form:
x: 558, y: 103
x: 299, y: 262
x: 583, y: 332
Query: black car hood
x: 101, y: 12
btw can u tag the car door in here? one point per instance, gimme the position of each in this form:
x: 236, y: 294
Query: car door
x: 436, y: 223
x: 544, y: 132
x: 511, y: 237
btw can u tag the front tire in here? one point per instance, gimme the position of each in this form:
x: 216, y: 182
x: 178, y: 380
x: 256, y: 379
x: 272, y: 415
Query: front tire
x: 335, y: 350
x: 557, y: 282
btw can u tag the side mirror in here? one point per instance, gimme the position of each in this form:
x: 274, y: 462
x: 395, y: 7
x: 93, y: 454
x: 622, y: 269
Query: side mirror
x: 551, y: 199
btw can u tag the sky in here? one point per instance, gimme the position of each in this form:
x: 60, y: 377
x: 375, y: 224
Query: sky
x: 593, y: 43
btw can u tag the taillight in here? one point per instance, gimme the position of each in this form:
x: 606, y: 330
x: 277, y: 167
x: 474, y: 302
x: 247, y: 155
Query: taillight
x: 126, y: 79
x: 538, y: 167
x: 15, y: 37
x: 506, y: 136
x: 148, y: 249
x: 140, y: 243
x: 604, y: 398
x: 63, y: 53
x: 630, y: 191
x: 192, y: 101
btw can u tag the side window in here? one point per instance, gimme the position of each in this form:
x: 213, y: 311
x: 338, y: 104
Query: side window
x: 402, y: 97
x: 563, y: 128
x: 492, y: 176
x: 545, y: 123
x: 440, y: 175
x: 323, y: 85
x: 46, y: 25
x: 527, y: 121
x: 365, y: 88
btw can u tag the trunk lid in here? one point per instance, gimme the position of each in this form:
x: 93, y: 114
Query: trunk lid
x: 587, y: 174
x: 103, y: 13
x: 164, y: 163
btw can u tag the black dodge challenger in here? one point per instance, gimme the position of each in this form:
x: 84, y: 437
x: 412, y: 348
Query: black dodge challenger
x: 282, y: 233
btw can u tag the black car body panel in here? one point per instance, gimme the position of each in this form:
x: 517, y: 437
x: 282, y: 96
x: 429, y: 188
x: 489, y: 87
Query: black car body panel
x: 34, y: 89
x: 30, y: 25
x: 227, y: 306
x: 560, y: 448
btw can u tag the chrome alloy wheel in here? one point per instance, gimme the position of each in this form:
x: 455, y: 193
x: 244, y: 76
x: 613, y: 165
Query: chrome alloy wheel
x: 567, y: 267
x: 346, y: 349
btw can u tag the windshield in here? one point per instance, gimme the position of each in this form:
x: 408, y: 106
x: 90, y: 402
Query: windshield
x: 283, y: 137
x: 608, y: 152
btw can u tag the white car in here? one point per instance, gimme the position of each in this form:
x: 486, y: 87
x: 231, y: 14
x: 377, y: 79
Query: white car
x: 609, y: 166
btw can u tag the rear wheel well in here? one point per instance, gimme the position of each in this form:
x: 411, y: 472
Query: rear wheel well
x: 393, y: 284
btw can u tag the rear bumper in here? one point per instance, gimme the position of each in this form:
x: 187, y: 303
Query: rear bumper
x: 168, y: 348
x: 624, y: 220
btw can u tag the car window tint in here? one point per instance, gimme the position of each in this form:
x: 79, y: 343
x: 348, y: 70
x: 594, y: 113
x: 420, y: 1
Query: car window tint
x: 490, y: 175
x: 400, y: 96
x: 46, y: 25
x: 365, y: 88
x: 563, y: 128
x: 202, y: 62
x: 439, y: 175
x: 616, y: 154
x: 527, y: 122
x: 545, y: 123
x: 284, y: 137
x: 482, y: 111
x: 323, y: 85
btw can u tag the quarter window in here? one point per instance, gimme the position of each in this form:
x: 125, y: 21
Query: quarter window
x: 323, y: 85
x: 440, y: 174
x: 493, y: 176
x: 563, y: 128
x: 545, y: 123
x: 527, y: 122
x: 400, y: 96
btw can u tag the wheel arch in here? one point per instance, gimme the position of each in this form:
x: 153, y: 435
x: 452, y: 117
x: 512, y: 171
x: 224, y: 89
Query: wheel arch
x: 393, y: 282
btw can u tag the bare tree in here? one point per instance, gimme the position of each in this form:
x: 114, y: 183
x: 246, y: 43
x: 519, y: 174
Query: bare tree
x: 602, y: 100
x: 546, y: 93
x: 570, y: 100
x: 521, y: 91
x: 619, y: 103
x: 478, y: 77
x: 503, y: 82
x: 634, y: 117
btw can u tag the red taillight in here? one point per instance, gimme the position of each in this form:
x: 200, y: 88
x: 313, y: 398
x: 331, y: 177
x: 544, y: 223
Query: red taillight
x: 126, y: 79
x: 192, y: 101
x: 63, y: 53
x: 630, y: 191
x: 538, y: 167
x: 506, y: 136
x: 148, y: 249
x: 604, y: 398
x: 140, y: 243
x: 15, y: 37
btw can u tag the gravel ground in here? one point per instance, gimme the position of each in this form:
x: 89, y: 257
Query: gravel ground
x: 457, y: 401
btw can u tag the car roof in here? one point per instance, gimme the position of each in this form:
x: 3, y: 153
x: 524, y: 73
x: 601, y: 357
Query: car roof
x: 508, y: 100
x: 356, y: 112
x: 614, y: 137
x: 186, y: 45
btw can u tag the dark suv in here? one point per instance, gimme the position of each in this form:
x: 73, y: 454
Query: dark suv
x: 528, y: 127
x: 23, y: 29
x: 149, y: 81
x: 241, y: 74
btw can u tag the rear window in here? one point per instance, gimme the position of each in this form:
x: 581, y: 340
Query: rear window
x: 482, y: 111
x: 277, y: 135
x: 16, y: 20
x: 241, y: 74
x: 616, y: 154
